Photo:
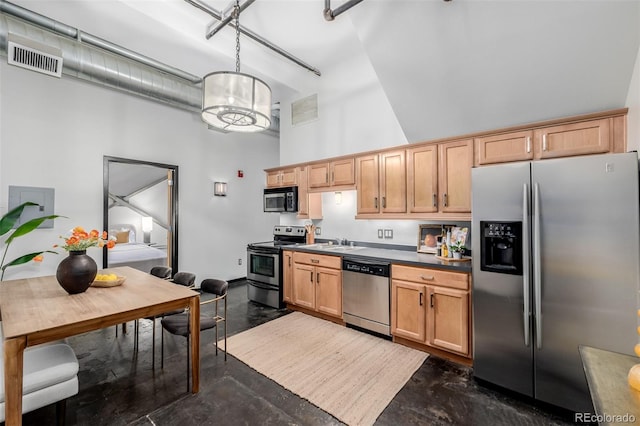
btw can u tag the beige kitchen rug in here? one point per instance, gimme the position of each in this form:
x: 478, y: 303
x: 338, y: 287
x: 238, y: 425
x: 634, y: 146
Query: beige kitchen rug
x: 349, y: 374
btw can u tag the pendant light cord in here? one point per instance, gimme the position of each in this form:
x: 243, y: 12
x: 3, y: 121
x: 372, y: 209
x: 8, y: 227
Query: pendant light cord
x: 237, y: 19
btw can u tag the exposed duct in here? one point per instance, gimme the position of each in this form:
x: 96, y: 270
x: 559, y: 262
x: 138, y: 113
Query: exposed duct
x: 98, y: 61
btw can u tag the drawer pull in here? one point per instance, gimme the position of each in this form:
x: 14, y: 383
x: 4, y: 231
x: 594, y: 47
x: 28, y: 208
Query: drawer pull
x: 311, y: 272
x: 315, y: 261
x: 429, y: 278
x: 431, y: 300
x: 420, y: 298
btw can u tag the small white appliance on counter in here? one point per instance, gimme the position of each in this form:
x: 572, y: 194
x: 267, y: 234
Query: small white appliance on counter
x: 557, y: 244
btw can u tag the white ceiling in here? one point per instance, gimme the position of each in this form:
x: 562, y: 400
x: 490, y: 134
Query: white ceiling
x: 447, y: 68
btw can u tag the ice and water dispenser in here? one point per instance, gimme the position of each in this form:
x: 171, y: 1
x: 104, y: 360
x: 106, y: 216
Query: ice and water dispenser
x: 501, y: 247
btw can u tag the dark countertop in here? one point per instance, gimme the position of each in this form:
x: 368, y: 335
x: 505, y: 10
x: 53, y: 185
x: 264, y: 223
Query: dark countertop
x: 404, y: 257
x: 611, y: 394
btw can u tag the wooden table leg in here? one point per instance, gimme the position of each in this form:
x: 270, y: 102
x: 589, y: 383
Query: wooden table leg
x: 13, y: 363
x: 194, y: 308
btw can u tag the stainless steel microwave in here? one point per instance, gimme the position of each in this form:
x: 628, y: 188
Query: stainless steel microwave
x: 283, y: 199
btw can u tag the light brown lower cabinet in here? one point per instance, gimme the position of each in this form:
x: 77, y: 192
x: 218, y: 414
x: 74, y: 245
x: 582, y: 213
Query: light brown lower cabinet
x: 317, y: 283
x: 431, y: 307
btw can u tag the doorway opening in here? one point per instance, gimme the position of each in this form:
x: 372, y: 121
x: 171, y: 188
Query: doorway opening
x: 140, y: 210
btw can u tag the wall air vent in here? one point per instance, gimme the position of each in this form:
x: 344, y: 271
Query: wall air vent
x: 34, y: 56
x: 304, y: 110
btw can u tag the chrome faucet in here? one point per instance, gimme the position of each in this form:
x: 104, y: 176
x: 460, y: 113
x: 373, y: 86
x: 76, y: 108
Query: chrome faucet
x: 341, y: 241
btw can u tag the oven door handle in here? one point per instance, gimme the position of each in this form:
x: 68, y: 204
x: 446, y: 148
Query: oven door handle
x: 262, y: 285
x: 258, y: 250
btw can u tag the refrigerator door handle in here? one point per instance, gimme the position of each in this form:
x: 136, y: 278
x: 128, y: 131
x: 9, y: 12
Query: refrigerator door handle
x: 526, y: 274
x: 537, y: 279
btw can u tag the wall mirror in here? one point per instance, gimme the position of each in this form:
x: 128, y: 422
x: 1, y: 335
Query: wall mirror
x: 140, y: 210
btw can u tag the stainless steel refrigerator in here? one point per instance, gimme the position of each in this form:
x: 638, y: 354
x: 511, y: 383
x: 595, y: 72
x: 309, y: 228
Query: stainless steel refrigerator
x: 556, y: 252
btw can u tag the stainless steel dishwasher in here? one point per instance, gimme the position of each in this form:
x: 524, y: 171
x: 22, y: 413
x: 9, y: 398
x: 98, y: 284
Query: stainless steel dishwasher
x: 365, y: 294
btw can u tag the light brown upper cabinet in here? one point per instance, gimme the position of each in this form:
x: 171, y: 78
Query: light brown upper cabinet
x: 454, y: 176
x: 282, y: 177
x: 505, y: 147
x: 334, y: 173
x: 422, y: 179
x: 381, y: 183
x: 587, y: 137
x: 596, y: 135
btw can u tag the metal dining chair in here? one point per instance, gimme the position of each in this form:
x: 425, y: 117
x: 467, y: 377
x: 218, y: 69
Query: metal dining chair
x: 179, y: 324
x: 186, y: 279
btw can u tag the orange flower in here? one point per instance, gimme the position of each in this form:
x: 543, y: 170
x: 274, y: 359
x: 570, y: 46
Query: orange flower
x: 81, y: 240
x: 111, y: 244
x: 38, y: 258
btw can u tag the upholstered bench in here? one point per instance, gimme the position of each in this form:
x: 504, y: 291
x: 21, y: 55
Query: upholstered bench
x: 50, y: 375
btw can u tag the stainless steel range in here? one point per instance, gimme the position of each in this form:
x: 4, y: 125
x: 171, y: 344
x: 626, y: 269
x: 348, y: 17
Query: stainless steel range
x: 264, y: 265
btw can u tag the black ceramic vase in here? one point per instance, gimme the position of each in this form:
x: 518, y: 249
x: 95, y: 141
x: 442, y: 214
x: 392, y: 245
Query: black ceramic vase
x: 76, y: 273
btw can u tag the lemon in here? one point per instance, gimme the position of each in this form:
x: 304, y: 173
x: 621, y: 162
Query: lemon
x: 106, y: 277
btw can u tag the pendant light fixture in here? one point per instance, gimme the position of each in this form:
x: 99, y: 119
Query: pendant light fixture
x: 234, y: 101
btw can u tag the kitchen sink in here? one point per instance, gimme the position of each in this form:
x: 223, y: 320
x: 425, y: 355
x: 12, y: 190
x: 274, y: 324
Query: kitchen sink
x: 330, y: 247
x: 342, y: 248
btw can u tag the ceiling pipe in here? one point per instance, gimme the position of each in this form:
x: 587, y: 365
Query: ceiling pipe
x: 68, y: 31
x: 330, y: 15
x: 227, y: 20
x: 217, y: 15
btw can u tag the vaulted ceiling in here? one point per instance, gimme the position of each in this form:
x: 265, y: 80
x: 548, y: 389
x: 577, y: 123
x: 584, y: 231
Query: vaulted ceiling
x: 447, y: 68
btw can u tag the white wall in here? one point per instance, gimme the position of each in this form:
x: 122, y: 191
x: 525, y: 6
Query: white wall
x: 354, y: 114
x: 55, y: 132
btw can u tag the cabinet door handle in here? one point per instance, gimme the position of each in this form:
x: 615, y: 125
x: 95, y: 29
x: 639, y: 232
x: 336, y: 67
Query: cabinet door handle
x: 375, y: 202
x: 311, y: 272
x: 544, y: 142
x: 333, y: 176
x: 528, y: 144
x: 431, y: 301
x: 289, y: 261
x: 318, y: 278
x: 420, y: 298
x: 427, y: 278
x: 435, y: 200
x: 384, y: 202
x: 315, y: 261
x: 444, y: 199
x: 326, y: 177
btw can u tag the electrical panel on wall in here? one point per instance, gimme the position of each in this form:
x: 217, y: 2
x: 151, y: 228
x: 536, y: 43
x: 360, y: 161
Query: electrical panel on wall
x: 44, y: 197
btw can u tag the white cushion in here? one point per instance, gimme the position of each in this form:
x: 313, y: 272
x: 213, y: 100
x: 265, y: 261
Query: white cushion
x: 43, y: 397
x: 50, y: 374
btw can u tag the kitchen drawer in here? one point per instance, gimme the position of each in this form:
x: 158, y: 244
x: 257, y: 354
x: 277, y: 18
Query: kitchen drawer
x: 334, y: 262
x: 430, y: 276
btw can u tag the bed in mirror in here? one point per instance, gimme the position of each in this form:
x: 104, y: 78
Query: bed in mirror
x: 140, y: 213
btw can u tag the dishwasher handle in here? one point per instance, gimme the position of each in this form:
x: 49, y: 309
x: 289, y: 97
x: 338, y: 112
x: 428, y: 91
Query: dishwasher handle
x: 359, y: 266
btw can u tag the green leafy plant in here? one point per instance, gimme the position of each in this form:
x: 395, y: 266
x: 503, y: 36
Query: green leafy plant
x: 7, y: 223
x: 457, y: 247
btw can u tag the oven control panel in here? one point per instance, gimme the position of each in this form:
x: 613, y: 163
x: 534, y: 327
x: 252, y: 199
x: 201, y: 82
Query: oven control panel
x: 298, y: 231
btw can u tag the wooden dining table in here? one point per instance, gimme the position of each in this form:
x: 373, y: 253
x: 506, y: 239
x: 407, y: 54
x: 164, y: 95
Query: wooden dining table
x: 38, y: 310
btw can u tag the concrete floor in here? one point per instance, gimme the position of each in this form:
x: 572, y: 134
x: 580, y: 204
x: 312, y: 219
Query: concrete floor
x: 119, y: 387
